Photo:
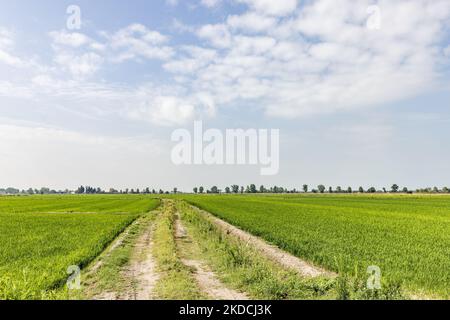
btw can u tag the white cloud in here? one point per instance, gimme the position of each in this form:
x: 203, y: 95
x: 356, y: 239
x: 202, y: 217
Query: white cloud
x: 163, y: 110
x: 9, y: 59
x: 271, y: 7
x: 6, y: 38
x: 181, y: 27
x: 76, y: 54
x: 260, y: 57
x: 167, y: 106
x: 347, y: 66
x: 210, y: 3
x: 137, y: 41
x: 83, y: 56
x: 81, y: 66
x: 218, y: 35
x: 251, y: 22
x: 146, y: 103
x: 196, y: 58
x: 71, y: 39
x: 6, y: 46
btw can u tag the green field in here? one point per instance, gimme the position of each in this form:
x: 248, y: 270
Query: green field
x: 76, y: 204
x: 408, y: 237
x: 41, y: 236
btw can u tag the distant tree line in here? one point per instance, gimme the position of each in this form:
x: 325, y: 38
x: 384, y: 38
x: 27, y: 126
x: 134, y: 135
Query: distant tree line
x: 236, y: 189
x: 91, y: 190
x: 31, y: 191
x: 81, y: 190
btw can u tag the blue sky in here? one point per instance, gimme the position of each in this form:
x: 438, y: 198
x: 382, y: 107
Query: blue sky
x: 356, y: 103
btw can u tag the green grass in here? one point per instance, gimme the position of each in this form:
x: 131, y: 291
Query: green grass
x: 77, y: 204
x: 177, y: 281
x: 244, y: 268
x: 408, y: 237
x: 36, y: 248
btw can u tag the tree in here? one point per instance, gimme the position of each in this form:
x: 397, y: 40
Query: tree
x: 15, y: 191
x: 80, y: 190
x: 305, y: 188
x: 227, y: 190
x: 445, y: 190
x: 405, y: 190
x: 253, y: 188
x: 201, y: 190
x: 361, y: 190
x: 235, y: 188
x: 349, y: 190
x: 372, y: 190
x: 147, y: 190
x: 242, y: 190
x: 214, y: 190
x: 262, y: 189
x: 330, y: 190
x: 395, y: 188
x: 195, y: 190
x: 384, y: 190
x: 339, y: 190
x: 175, y: 190
x: 321, y: 188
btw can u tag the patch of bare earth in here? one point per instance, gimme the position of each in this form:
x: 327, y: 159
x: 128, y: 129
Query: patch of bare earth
x: 140, y: 274
x: 272, y: 252
x: 206, y: 279
x: 142, y: 269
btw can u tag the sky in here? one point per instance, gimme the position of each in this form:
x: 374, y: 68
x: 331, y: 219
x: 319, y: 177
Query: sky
x: 360, y: 90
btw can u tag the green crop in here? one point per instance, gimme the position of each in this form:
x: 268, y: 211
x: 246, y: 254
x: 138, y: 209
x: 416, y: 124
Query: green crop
x: 408, y: 237
x: 40, y: 237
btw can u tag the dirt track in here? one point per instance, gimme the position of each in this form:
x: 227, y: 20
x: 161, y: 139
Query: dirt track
x: 206, y: 279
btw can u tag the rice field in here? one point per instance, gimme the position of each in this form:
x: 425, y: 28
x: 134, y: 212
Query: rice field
x: 41, y: 236
x: 408, y: 237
